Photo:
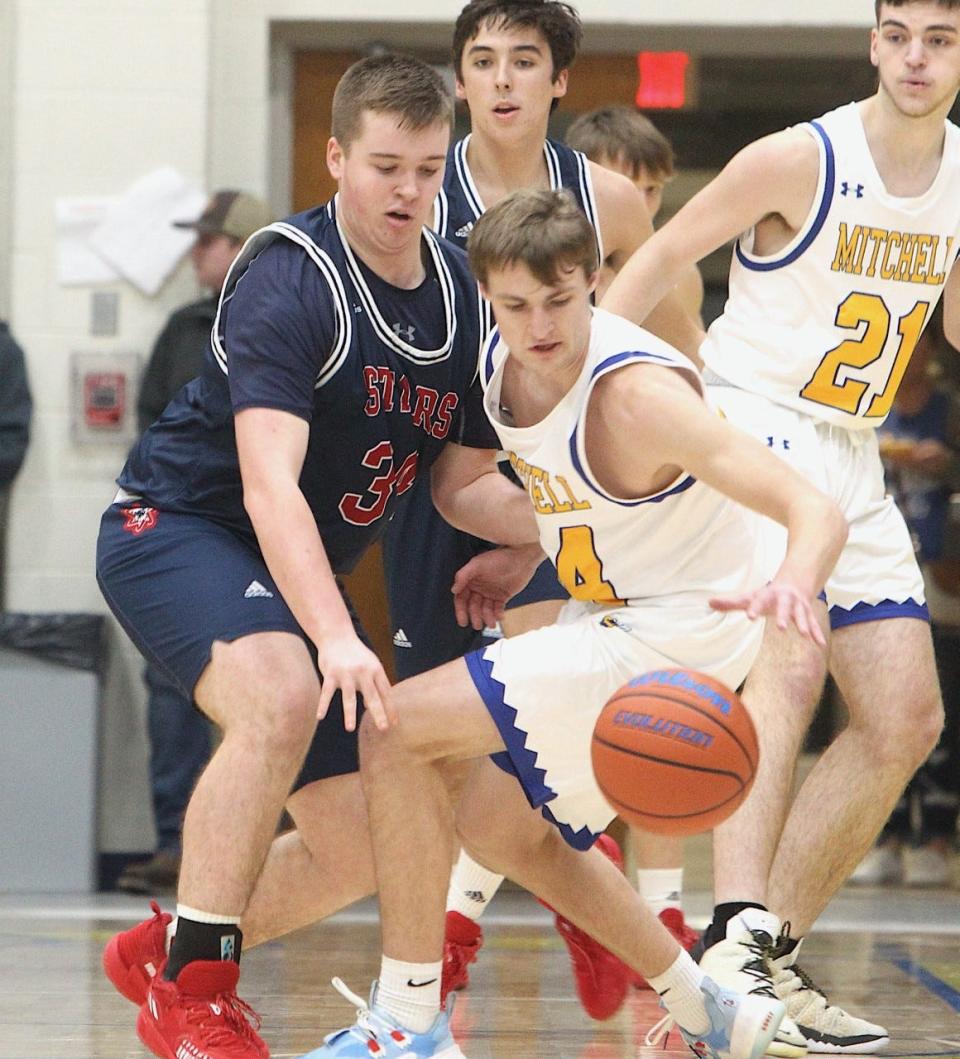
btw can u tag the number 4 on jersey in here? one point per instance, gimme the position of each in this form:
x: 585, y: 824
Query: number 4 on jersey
x: 580, y: 569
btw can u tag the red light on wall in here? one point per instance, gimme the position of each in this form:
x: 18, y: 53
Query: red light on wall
x: 663, y: 79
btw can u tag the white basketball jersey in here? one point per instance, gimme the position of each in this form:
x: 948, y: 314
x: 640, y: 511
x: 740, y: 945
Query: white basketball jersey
x: 685, y: 540
x: 828, y: 324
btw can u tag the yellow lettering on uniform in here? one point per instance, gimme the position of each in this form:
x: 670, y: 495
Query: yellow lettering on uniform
x: 559, y: 506
x: 908, y: 250
x: 578, y: 505
x: 886, y: 269
x: 864, y: 241
x: 520, y: 468
x: 879, y: 237
x: 540, y: 503
x: 937, y: 278
x: 921, y: 259
x: 846, y: 246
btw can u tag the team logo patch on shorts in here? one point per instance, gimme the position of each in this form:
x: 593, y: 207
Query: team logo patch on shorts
x: 611, y: 621
x: 137, y: 520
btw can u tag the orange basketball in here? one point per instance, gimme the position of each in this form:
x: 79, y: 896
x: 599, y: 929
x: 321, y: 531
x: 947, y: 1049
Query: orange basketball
x: 674, y: 751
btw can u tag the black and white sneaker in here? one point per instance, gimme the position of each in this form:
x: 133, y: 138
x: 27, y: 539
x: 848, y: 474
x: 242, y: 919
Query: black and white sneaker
x: 826, y: 1027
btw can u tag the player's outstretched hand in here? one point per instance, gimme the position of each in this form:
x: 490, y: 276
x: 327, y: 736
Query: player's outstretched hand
x: 346, y: 663
x: 783, y: 602
x: 482, y: 586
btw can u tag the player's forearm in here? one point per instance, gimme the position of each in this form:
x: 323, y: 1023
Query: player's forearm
x: 490, y: 507
x: 816, y: 533
x: 670, y: 321
x: 297, y: 559
x: 646, y: 279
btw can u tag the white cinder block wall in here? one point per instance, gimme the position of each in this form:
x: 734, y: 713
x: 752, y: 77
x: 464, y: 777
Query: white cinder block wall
x: 103, y: 91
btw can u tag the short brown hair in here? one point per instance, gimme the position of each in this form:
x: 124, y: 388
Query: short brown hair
x: 389, y: 84
x: 544, y: 230
x: 621, y: 134
x: 950, y: 5
x: 557, y: 21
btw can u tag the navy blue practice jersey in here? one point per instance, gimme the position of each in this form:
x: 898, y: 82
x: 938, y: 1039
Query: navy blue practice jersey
x: 384, y: 376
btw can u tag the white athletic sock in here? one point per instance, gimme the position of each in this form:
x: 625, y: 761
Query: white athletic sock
x: 679, y: 988
x: 661, y: 887
x: 471, y: 887
x: 410, y: 992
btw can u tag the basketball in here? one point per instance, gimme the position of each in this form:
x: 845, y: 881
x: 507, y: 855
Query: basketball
x: 674, y: 752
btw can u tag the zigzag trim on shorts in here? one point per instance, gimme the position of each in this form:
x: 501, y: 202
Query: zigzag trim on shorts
x: 518, y: 760
x: 888, y: 608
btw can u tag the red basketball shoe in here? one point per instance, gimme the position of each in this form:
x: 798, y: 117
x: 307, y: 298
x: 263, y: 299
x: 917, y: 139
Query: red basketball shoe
x: 461, y: 943
x: 687, y: 937
x: 200, y: 1015
x: 134, y: 957
x: 601, y: 978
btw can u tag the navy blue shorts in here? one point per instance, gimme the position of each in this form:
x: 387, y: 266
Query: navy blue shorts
x: 178, y: 583
x: 421, y: 555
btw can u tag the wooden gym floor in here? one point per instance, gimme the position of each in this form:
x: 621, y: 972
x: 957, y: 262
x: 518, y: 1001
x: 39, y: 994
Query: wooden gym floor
x: 892, y: 955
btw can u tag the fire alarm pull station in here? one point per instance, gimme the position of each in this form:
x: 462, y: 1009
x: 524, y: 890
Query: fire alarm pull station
x: 104, y: 396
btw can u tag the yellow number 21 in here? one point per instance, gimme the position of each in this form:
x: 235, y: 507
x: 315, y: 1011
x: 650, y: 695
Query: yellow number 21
x: 854, y: 312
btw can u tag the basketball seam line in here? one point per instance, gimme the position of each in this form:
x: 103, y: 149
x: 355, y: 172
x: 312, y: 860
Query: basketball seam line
x: 718, y: 721
x: 615, y: 801
x: 675, y: 764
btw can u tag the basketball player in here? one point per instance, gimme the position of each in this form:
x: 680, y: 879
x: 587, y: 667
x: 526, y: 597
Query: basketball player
x: 266, y: 478
x: 851, y: 223
x: 634, y: 514
x: 512, y: 61
x: 620, y: 138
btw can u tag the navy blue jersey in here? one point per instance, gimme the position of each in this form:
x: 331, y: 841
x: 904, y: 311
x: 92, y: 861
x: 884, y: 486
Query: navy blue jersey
x: 459, y: 206
x: 383, y: 376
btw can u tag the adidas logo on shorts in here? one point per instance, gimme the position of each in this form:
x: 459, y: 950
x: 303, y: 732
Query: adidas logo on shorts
x: 400, y: 639
x: 256, y: 591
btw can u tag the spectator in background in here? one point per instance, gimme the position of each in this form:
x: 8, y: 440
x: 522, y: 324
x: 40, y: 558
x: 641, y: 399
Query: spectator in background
x: 179, y: 733
x: 624, y: 140
x: 16, y: 407
x: 920, y: 446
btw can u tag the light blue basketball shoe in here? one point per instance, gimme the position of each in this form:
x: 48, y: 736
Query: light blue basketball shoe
x: 377, y: 1035
x: 742, y: 1025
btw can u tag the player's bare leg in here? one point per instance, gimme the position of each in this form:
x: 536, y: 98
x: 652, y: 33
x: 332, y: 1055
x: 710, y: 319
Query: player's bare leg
x: 320, y: 868
x: 262, y: 691
x: 472, y: 885
x: 443, y: 717
x: 886, y: 673
x: 781, y: 693
x: 497, y: 824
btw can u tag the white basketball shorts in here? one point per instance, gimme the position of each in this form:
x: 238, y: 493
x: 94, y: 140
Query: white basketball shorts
x: 877, y: 575
x: 546, y: 688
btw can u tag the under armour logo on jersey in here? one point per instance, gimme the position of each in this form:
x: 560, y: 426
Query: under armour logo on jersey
x: 462, y: 233
x: 856, y: 189
x: 405, y: 333
x: 400, y: 639
x: 256, y: 591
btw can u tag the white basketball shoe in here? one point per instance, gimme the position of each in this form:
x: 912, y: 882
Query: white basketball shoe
x: 740, y: 963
